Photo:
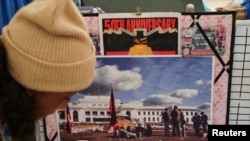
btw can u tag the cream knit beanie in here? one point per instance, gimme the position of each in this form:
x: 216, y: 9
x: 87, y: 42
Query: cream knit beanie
x: 48, y: 47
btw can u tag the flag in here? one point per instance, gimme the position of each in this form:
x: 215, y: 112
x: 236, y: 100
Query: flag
x: 112, y: 109
x: 69, y: 128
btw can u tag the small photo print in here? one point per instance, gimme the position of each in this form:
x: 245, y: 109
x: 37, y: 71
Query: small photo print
x: 92, y: 22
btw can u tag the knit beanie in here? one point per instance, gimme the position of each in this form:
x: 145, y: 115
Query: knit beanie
x: 49, y: 48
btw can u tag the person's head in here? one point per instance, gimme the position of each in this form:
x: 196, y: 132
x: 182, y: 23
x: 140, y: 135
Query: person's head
x: 166, y: 109
x: 175, y: 107
x: 46, y: 57
x: 186, y: 51
x: 148, y: 125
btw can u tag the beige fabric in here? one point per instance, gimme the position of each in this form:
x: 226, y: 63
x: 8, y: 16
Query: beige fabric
x: 49, y: 48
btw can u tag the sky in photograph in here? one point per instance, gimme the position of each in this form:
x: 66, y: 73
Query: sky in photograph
x: 155, y: 81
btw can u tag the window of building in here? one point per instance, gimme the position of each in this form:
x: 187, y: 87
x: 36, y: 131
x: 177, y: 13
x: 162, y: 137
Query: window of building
x: 94, y: 113
x: 102, y: 113
x: 148, y: 113
x: 75, y: 116
x: 139, y: 113
x: 87, y: 113
x: 153, y: 113
x: 88, y: 119
x: 144, y: 113
x: 61, y: 114
x: 186, y: 113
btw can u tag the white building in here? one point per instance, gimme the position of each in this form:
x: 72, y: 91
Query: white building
x: 95, y: 109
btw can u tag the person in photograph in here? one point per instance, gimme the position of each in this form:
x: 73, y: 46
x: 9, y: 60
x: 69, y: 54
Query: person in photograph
x: 126, y: 133
x: 46, y: 56
x: 140, y: 131
x: 116, y: 131
x: 175, y: 119
x: 220, y: 39
x: 185, y: 51
x: 148, y: 130
x: 182, y: 124
x: 196, y: 124
x: 165, y: 119
x: 204, y: 122
x: 130, y: 131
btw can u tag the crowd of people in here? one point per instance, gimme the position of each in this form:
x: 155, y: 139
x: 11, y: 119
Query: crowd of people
x: 200, y: 121
x: 177, y: 119
x: 171, y: 118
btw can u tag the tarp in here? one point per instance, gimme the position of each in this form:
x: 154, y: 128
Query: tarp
x: 246, y: 4
x: 8, y: 8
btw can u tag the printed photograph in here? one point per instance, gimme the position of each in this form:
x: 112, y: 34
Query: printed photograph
x: 92, y: 22
x: 193, y: 39
x: 204, y: 37
x: 130, y: 95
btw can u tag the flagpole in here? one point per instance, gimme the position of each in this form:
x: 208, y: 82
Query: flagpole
x: 112, y: 109
x: 69, y: 127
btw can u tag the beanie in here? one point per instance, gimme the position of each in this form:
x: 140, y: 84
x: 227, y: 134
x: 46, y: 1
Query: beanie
x: 49, y: 48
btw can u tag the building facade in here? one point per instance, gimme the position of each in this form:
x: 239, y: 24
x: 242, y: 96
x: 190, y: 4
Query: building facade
x: 95, y: 109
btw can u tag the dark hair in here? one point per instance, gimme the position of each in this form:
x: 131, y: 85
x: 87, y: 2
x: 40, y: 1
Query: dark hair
x: 16, y: 106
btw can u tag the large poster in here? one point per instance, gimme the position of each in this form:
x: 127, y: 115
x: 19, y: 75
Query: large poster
x: 212, y: 34
x: 142, y: 88
x: 163, y: 80
x: 144, y: 34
